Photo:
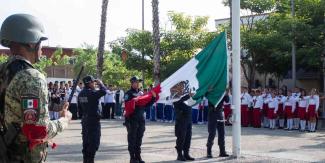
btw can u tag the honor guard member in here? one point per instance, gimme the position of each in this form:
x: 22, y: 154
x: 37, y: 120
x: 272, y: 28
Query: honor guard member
x: 135, y: 123
x: 24, y: 94
x: 216, y: 121
x: 88, y: 100
x: 183, y: 126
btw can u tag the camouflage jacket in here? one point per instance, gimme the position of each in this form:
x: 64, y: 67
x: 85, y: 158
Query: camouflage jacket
x: 26, y: 102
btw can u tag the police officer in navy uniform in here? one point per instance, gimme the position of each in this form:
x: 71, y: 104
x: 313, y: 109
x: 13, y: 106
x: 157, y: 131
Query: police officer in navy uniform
x: 135, y: 124
x: 183, y: 127
x: 216, y: 122
x: 88, y: 100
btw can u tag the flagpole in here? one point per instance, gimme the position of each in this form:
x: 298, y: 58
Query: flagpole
x: 236, y: 79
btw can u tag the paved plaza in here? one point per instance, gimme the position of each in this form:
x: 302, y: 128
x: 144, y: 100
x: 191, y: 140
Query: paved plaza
x: 258, y: 145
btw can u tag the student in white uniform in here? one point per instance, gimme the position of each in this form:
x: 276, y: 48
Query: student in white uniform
x: 289, y: 108
x: 272, y: 109
x: 257, y: 102
x: 296, y: 120
x: 245, y: 104
x: 266, y: 96
x: 280, y: 113
x: 313, y: 105
x: 302, y: 107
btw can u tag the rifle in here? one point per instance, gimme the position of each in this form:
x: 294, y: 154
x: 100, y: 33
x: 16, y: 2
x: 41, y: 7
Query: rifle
x: 74, y: 86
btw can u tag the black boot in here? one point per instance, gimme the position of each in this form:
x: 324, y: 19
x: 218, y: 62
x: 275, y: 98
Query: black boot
x: 223, y: 152
x: 138, y: 157
x: 209, y: 153
x: 187, y: 156
x: 90, y: 160
x: 133, y: 159
x: 180, y: 156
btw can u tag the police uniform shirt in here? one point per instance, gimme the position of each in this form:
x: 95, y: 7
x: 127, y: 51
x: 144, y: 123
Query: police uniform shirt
x: 139, y: 111
x: 88, y: 100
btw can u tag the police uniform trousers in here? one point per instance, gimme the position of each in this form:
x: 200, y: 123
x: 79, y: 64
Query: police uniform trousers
x: 216, y: 122
x: 135, y: 126
x: 183, y: 132
x: 90, y: 136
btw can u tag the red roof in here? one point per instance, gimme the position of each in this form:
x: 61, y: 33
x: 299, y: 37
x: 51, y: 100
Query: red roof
x: 46, y: 50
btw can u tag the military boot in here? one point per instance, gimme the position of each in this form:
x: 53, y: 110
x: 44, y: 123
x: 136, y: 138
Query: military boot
x: 138, y: 157
x: 133, y: 159
x: 180, y: 156
x: 223, y: 152
x: 209, y: 152
x: 187, y: 156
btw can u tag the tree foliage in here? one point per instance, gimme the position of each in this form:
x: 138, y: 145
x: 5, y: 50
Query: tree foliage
x: 3, y: 58
x: 115, y: 71
x: 178, y: 45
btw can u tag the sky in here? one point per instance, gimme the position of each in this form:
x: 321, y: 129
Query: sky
x: 70, y: 23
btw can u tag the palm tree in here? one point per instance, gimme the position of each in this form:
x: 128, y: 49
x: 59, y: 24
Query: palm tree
x: 156, y: 41
x: 101, y: 44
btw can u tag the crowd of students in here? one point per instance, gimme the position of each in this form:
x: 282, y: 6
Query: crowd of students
x: 294, y: 109
x: 278, y: 108
x: 59, y: 92
x: 270, y: 108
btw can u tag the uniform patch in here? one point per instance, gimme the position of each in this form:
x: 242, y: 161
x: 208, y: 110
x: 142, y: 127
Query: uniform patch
x: 30, y: 103
x: 31, y: 109
x: 30, y: 116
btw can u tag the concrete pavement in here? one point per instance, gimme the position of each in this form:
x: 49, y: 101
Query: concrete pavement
x: 258, y: 145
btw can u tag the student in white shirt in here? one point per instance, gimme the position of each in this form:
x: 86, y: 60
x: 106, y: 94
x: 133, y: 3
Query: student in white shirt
x: 245, y: 104
x: 313, y: 105
x: 272, y: 109
x: 266, y: 96
x: 257, y: 102
x: 73, y: 107
x: 289, y: 107
x: 296, y: 120
x: 280, y: 113
x: 109, y: 101
x: 302, y: 107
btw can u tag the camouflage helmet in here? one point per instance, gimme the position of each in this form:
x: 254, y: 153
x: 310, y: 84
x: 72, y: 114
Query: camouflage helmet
x: 21, y: 28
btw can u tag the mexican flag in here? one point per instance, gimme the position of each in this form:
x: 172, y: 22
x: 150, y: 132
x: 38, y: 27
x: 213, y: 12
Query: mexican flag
x: 30, y: 103
x: 205, y: 75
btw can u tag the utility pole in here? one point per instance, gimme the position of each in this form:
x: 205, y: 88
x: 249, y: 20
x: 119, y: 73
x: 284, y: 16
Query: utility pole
x: 236, y: 127
x: 142, y: 53
x: 293, y: 44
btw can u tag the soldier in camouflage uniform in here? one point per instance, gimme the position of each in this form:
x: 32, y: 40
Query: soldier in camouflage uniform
x: 24, y: 93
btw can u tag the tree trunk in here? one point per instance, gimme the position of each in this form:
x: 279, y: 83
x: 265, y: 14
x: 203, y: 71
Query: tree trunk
x: 101, y: 44
x: 156, y: 40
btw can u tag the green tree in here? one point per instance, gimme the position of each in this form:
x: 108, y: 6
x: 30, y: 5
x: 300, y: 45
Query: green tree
x: 58, y: 58
x: 115, y: 71
x: 3, y: 58
x: 177, y: 46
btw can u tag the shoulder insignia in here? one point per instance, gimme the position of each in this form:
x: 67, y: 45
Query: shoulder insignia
x: 30, y: 107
